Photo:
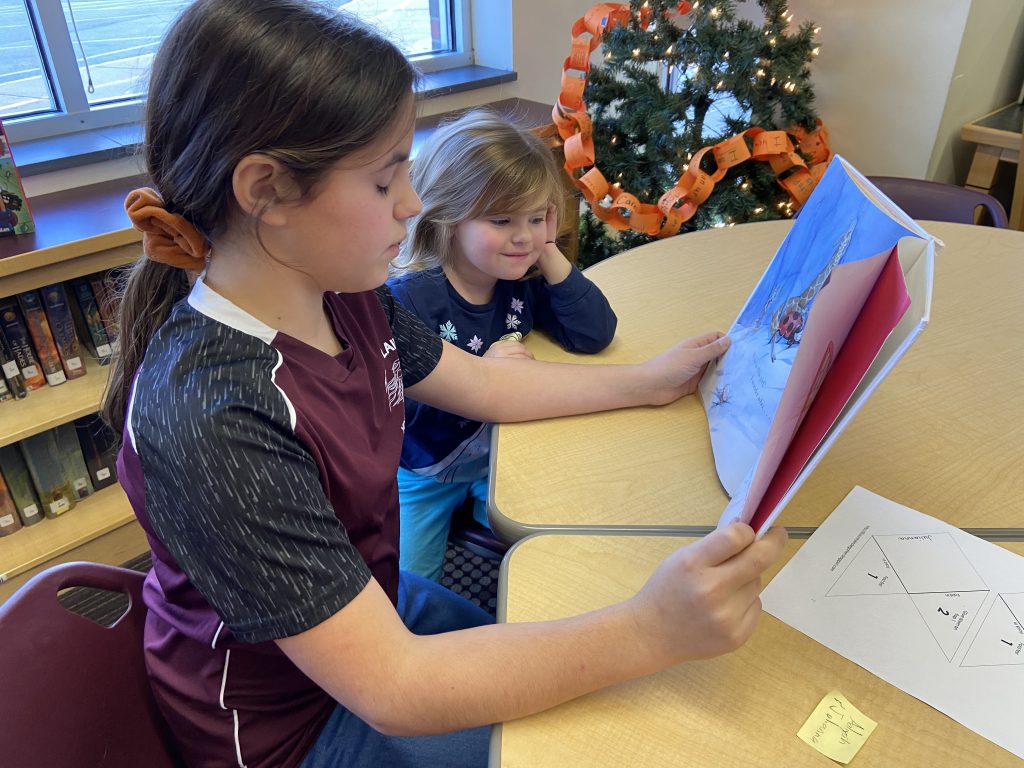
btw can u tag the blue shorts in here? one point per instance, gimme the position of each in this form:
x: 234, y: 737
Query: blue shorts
x: 348, y: 742
x: 426, y: 507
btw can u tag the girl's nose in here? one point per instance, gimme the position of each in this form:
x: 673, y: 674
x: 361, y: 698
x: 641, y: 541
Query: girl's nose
x: 522, y: 233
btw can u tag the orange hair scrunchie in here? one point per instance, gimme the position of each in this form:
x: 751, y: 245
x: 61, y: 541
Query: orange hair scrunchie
x: 166, y: 237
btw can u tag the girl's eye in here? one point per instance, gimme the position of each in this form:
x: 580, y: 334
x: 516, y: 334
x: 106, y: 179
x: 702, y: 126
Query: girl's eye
x: 499, y: 222
x: 538, y: 220
x: 383, y: 191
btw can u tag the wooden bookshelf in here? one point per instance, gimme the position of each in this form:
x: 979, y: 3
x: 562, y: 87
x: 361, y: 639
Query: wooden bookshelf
x: 80, y: 232
x: 50, y: 407
x: 93, y: 516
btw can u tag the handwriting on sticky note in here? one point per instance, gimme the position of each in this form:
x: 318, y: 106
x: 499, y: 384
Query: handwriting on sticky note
x: 836, y: 728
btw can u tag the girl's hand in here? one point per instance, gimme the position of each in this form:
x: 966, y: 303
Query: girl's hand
x: 677, y: 371
x: 552, y: 262
x: 508, y: 348
x: 704, y: 599
x: 551, y: 220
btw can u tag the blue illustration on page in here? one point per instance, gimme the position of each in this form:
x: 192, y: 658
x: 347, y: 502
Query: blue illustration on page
x: 838, y: 224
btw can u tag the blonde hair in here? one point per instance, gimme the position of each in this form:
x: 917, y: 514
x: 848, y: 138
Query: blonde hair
x: 478, y: 165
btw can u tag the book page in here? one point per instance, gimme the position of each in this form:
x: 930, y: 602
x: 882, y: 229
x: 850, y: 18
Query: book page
x: 741, y: 393
x: 932, y: 610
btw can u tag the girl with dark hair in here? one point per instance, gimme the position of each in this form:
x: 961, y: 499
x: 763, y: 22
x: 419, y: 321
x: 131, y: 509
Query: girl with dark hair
x: 260, y: 386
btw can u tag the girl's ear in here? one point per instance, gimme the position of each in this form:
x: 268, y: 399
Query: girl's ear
x: 260, y: 184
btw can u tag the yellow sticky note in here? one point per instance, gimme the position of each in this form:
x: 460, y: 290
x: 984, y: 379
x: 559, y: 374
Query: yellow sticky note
x: 836, y: 728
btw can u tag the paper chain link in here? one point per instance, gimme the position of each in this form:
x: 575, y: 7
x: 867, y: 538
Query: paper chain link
x: 680, y: 203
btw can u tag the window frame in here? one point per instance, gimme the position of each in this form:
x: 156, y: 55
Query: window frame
x: 74, y: 113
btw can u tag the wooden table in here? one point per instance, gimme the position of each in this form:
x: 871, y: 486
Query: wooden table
x: 943, y: 433
x: 743, y: 709
x: 998, y: 136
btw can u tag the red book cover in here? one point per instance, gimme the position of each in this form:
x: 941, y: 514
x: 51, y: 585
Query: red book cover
x: 42, y: 337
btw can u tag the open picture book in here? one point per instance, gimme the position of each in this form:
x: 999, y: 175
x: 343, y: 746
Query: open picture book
x: 846, y: 294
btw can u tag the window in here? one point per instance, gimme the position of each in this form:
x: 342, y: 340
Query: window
x: 72, y: 65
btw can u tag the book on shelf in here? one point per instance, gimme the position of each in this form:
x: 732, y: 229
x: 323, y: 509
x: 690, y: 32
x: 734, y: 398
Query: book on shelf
x: 844, y: 297
x: 15, y: 214
x: 62, y: 325
x: 106, y: 303
x: 42, y: 337
x: 72, y: 460
x: 88, y: 320
x: 19, y: 483
x: 99, y: 448
x: 10, y: 521
x: 15, y: 331
x: 12, y: 379
x: 43, y: 457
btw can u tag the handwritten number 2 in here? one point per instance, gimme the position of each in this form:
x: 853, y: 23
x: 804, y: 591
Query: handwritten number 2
x: 944, y: 613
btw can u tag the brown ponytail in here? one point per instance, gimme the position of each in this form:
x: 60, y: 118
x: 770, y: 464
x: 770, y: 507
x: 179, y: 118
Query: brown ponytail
x: 147, y: 291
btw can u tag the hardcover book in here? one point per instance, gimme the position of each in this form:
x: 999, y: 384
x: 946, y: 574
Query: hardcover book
x: 15, y: 215
x: 15, y: 331
x: 844, y: 297
x: 88, y: 320
x: 9, y: 519
x: 42, y: 455
x: 12, y: 378
x: 62, y: 325
x: 72, y: 460
x: 19, y: 483
x: 42, y: 337
x: 106, y: 303
x: 99, y: 448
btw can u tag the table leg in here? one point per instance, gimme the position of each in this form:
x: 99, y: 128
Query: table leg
x: 982, y: 174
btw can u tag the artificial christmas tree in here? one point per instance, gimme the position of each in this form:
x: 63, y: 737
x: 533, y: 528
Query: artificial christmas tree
x: 695, y: 118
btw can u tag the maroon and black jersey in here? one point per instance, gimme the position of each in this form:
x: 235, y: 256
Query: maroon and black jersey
x: 263, y: 472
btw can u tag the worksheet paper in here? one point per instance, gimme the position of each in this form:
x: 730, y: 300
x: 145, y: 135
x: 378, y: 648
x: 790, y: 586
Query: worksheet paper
x: 932, y: 610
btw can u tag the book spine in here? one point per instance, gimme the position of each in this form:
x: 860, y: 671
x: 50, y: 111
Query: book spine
x: 106, y: 304
x: 42, y: 338
x: 19, y: 483
x: 72, y: 460
x: 99, y: 449
x: 62, y: 325
x: 5, y: 393
x: 89, y: 312
x: 42, y: 455
x: 15, y: 382
x: 13, y: 326
x: 10, y: 522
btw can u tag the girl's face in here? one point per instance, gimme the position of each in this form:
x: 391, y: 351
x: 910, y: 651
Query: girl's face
x: 349, y: 231
x: 501, y: 246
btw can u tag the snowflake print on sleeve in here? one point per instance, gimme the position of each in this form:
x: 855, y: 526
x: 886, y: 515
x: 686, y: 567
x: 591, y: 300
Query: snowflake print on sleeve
x: 475, y: 344
x: 512, y: 322
x: 448, y: 332
x: 517, y: 305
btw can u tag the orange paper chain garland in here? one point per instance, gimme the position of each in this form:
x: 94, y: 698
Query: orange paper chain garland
x: 680, y: 203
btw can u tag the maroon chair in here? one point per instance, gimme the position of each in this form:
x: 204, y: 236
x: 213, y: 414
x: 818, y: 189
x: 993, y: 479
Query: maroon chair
x: 76, y: 693
x: 936, y: 201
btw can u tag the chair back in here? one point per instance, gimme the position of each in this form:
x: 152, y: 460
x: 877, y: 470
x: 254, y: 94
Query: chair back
x: 75, y: 692
x: 936, y: 201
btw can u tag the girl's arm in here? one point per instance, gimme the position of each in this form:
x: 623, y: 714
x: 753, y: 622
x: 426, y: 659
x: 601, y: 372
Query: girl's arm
x: 516, y: 389
x: 702, y: 601
x: 567, y: 306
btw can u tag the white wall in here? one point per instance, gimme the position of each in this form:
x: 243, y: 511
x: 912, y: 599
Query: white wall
x: 987, y: 75
x: 883, y: 75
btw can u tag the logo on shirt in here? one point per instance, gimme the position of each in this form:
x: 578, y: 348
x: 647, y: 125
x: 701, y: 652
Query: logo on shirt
x: 393, y: 385
x: 389, y: 347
